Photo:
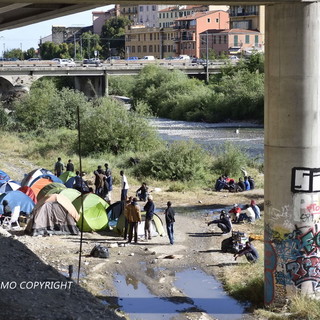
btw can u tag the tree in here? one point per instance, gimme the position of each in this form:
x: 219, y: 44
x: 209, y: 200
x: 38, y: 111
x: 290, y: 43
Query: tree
x: 113, y: 35
x: 30, y: 53
x: 90, y: 43
x: 14, y: 53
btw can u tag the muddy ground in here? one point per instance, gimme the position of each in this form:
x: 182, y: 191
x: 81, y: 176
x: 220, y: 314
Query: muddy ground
x: 47, y: 259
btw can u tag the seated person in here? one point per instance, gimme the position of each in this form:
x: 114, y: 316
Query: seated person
x: 241, y: 184
x: 224, y: 222
x: 235, y: 213
x: 256, y: 210
x: 246, y: 184
x: 142, y: 192
x: 248, y: 215
x: 6, y: 211
x: 249, y: 251
x: 221, y: 184
x: 251, y: 183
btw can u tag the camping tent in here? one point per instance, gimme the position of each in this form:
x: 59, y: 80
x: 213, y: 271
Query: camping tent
x: 94, y: 212
x: 10, y: 185
x: 39, y: 184
x: 52, y: 177
x: 27, y: 180
x: 53, y: 214
x: 71, y: 194
x: 70, y: 182
x: 17, y: 198
x: 3, y: 177
x: 66, y: 176
x: 28, y: 191
x: 54, y: 187
x: 116, y: 219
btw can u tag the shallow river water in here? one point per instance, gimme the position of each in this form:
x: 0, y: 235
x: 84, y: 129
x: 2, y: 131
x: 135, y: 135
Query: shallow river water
x: 212, y: 136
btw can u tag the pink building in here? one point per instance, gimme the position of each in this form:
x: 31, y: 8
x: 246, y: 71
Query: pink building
x: 100, y: 17
x: 190, y: 27
x: 230, y: 41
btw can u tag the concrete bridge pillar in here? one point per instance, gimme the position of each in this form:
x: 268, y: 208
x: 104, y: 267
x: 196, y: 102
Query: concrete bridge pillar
x: 292, y: 151
x: 91, y: 86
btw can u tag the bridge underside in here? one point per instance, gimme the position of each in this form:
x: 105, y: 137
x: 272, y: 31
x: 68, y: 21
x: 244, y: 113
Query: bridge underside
x: 17, y: 14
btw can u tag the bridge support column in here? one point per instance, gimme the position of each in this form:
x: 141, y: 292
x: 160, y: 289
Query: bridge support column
x: 106, y: 81
x: 292, y: 152
x: 91, y: 86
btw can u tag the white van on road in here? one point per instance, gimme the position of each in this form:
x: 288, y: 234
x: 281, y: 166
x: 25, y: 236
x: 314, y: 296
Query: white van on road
x: 148, y: 58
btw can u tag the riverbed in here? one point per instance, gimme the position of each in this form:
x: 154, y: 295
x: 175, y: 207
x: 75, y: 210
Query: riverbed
x: 212, y: 136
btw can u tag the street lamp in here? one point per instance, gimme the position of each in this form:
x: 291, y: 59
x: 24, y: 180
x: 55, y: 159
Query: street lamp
x: 4, y: 46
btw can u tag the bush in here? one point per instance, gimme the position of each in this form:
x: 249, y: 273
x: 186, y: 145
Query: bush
x: 230, y: 161
x: 180, y: 161
x: 109, y: 127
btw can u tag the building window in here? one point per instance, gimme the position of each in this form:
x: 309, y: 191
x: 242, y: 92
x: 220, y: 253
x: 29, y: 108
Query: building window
x: 235, y: 40
x: 153, y: 8
x: 214, y: 39
x: 155, y: 48
x: 141, y: 8
x: 139, y: 48
x: 144, y: 48
x: 150, y: 36
x: 133, y: 48
x: 138, y: 37
x: 224, y: 39
x: 209, y: 20
x: 150, y: 48
x: 256, y: 40
x: 160, y: 25
x: 219, y: 39
x: 145, y: 37
x: 247, y: 39
x: 217, y: 20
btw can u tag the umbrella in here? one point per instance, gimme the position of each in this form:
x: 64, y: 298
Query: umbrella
x: 9, y: 186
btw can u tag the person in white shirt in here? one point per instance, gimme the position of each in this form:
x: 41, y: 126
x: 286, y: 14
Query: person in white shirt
x: 248, y: 215
x: 124, y: 186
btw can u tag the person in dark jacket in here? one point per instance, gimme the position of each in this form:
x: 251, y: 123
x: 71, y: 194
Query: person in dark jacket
x: 142, y: 192
x: 149, y: 209
x: 249, y: 251
x: 241, y: 184
x: 70, y: 166
x: 223, y: 222
x: 251, y: 183
x: 170, y: 220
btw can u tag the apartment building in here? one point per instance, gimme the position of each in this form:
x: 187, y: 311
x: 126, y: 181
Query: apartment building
x: 189, y: 28
x: 221, y: 41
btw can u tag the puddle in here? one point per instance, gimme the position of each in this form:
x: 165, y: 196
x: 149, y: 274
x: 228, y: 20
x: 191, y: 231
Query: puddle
x: 208, y: 295
x: 203, y: 293
x: 139, y: 303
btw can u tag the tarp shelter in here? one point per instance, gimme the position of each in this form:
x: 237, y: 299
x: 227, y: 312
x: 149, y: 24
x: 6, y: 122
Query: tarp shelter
x: 66, y: 176
x: 17, y: 198
x: 27, y: 180
x: 54, y: 214
x: 71, y: 194
x: 114, y: 211
x: 50, y: 188
x: 29, y: 192
x: 94, y: 212
x: 10, y: 185
x: 4, y: 177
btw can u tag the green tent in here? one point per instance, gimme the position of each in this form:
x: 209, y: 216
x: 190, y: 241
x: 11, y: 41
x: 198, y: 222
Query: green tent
x: 71, y: 194
x: 94, y: 212
x: 54, y: 187
x: 66, y: 176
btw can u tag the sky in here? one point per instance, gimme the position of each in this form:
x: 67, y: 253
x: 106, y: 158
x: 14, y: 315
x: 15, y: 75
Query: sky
x: 29, y: 36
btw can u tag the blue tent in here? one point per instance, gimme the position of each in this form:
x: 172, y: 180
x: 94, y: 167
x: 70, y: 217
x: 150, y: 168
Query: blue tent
x: 17, y: 198
x: 32, y: 175
x: 70, y: 182
x: 3, y: 177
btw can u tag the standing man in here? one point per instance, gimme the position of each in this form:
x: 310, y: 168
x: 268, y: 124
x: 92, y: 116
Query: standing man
x: 108, y: 186
x: 107, y: 169
x: 124, y: 186
x: 99, y: 181
x: 70, y: 166
x: 134, y: 217
x: 58, y: 167
x: 169, y: 213
x: 149, y: 209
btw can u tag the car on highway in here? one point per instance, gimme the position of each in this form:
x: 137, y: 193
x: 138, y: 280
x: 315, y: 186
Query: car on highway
x: 34, y: 59
x: 132, y: 58
x: 92, y: 62
x: 198, y: 61
x: 64, y: 62
x: 114, y: 58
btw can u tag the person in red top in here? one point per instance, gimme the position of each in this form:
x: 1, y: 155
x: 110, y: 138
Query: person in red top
x: 235, y: 213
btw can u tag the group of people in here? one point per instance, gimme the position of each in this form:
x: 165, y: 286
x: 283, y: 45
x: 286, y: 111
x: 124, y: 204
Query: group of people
x: 235, y: 215
x: 103, y: 182
x: 59, y: 167
x: 132, y: 214
x: 224, y: 182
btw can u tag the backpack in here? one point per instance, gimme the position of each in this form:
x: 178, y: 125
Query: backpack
x: 99, y: 251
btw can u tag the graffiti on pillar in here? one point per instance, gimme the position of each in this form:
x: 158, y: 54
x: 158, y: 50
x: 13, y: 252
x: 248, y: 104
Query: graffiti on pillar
x: 306, y: 207
x: 305, y: 180
x: 270, y: 267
